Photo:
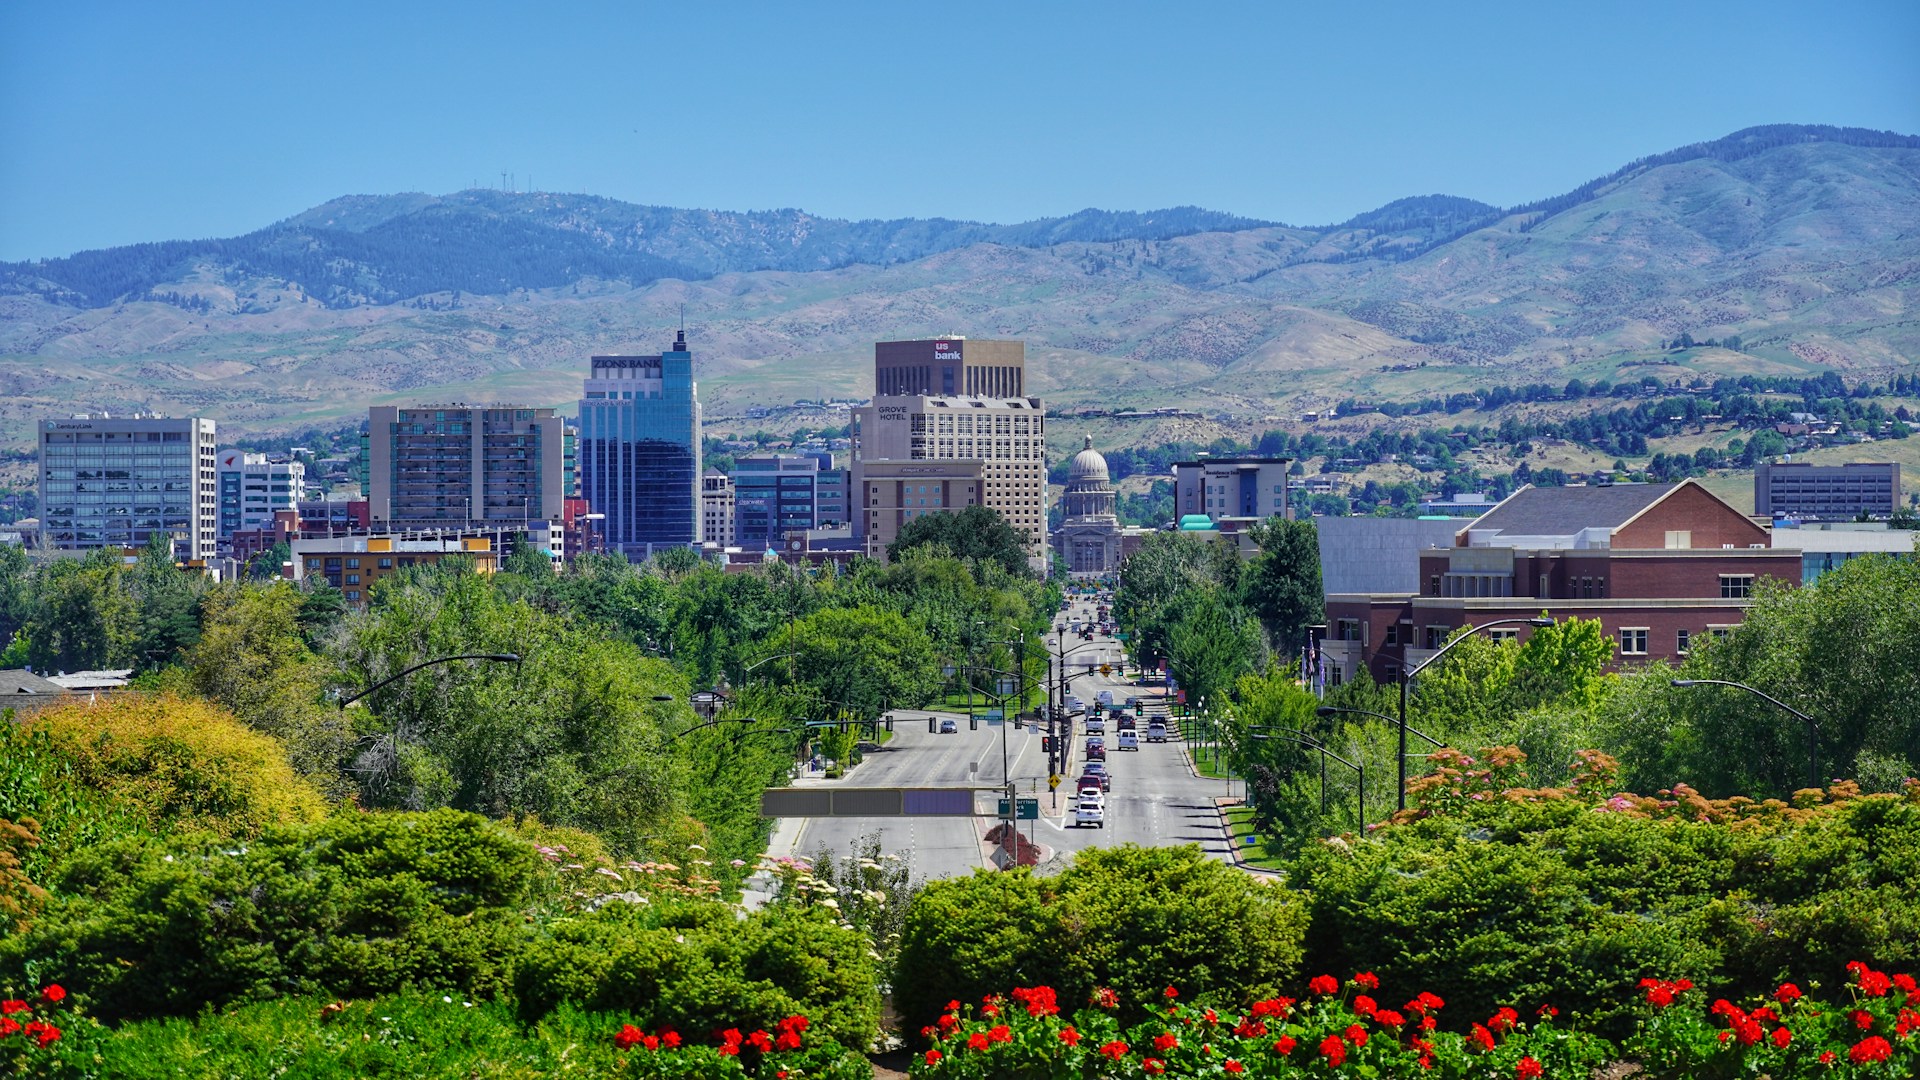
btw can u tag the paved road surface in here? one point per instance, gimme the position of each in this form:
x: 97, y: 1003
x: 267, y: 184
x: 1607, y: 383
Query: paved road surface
x: 1156, y: 799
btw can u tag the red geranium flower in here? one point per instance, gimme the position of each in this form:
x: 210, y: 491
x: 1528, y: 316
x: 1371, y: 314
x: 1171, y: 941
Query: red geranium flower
x: 1826, y: 1057
x: 1233, y: 1066
x: 1272, y: 1006
x: 1364, y: 1005
x: 1324, y: 985
x: 1069, y: 1036
x: 628, y: 1037
x: 1334, y: 1050
x: 1106, y: 998
x: 1115, y: 1049
x: 1367, y: 980
x: 1503, y: 1020
x: 1870, y: 1049
x: 1787, y: 994
x: 1152, y: 1066
x: 761, y: 1041
x: 1424, y: 1001
x: 8, y: 1025
x: 977, y: 1041
x: 1170, y: 993
x: 1547, y: 1011
x: 1861, y: 1018
x: 1165, y: 1042
x: 8, y: 1008
x: 54, y: 994
x: 1388, y: 1018
x: 1528, y: 1069
x: 1284, y: 1045
x: 1481, y: 1037
x: 933, y: 1057
x: 1781, y: 1037
x: 1000, y: 1033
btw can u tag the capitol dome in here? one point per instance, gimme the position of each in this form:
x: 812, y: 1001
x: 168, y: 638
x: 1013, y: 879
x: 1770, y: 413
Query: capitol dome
x: 1088, y: 466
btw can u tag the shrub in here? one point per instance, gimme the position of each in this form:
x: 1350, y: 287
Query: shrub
x: 357, y: 905
x: 178, y: 763
x: 1120, y: 918
x: 697, y: 967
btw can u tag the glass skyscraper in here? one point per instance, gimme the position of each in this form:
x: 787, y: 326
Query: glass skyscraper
x: 639, y: 450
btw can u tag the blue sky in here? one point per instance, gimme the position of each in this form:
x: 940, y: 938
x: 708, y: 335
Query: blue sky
x: 123, y: 122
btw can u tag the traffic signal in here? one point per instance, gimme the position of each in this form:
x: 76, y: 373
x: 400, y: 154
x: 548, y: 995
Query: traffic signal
x: 1046, y: 743
x: 889, y: 721
x: 929, y: 725
x: 843, y: 727
x: 973, y: 723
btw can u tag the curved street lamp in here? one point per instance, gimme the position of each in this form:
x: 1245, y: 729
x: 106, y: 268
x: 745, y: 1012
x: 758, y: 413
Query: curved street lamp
x: 1333, y: 710
x: 498, y: 658
x: 1406, y: 680
x: 1813, y: 726
x: 1304, y: 739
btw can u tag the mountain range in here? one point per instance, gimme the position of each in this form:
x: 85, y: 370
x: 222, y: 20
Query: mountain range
x: 1801, y: 242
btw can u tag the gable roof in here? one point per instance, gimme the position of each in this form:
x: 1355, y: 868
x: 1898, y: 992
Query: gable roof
x: 21, y: 681
x: 1564, y: 511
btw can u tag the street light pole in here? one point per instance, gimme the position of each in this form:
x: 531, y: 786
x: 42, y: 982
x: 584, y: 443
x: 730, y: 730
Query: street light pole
x: 1359, y: 768
x: 499, y: 658
x: 1332, y: 710
x: 1813, y: 726
x: 1406, y: 681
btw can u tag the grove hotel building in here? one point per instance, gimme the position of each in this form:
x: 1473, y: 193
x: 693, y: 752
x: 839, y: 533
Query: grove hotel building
x: 949, y: 427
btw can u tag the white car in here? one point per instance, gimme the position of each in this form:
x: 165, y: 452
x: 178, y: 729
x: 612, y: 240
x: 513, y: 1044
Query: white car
x: 1096, y: 724
x: 1090, y: 810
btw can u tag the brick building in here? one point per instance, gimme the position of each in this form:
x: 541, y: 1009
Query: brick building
x: 1658, y: 565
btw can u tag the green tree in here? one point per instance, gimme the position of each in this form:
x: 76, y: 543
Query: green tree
x: 83, y: 617
x: 1282, y: 586
x: 1155, y: 583
x: 16, y: 591
x: 1211, y: 645
x: 860, y: 660
x: 167, y: 599
x: 252, y: 657
x: 978, y: 533
x: 1845, y: 650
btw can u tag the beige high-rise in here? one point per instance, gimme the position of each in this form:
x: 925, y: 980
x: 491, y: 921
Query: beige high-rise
x: 950, y: 427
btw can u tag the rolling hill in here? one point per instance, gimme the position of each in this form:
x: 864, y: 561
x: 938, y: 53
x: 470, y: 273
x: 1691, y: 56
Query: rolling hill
x: 1804, y: 242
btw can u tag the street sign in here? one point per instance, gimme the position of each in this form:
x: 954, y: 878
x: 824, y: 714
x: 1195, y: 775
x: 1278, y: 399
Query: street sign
x: 1121, y: 636
x: 1106, y: 669
x: 866, y: 802
x: 1053, y: 782
x: 1029, y: 809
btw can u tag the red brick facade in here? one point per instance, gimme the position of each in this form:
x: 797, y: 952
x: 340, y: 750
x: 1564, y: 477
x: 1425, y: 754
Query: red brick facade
x: 1651, y: 599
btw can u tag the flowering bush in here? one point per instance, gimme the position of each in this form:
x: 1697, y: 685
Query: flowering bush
x: 782, y: 1054
x: 1572, y: 894
x: 1343, y: 1029
x: 36, y: 1035
x: 1338, y: 1028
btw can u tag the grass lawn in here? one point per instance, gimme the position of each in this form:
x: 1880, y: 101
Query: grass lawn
x: 1239, y: 828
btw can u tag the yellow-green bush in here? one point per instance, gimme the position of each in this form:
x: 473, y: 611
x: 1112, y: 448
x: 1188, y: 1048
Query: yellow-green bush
x: 179, y: 762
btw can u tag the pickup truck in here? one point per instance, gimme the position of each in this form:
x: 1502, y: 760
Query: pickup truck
x: 1156, y: 731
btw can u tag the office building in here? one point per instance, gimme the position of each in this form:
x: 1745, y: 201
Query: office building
x: 1658, y: 565
x: 774, y: 494
x: 113, y: 482
x: 716, y: 508
x: 1230, y: 487
x: 253, y: 489
x: 436, y: 466
x: 948, y: 427
x: 640, y: 450
x: 1797, y: 489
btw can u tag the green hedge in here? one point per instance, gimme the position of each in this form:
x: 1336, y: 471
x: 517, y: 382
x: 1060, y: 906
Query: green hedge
x: 1551, y: 901
x: 1129, y: 918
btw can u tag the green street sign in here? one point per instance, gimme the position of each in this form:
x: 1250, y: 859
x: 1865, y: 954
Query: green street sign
x: 1029, y: 809
x: 1122, y: 636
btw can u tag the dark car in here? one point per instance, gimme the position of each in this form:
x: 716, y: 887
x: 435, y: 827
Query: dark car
x: 1096, y: 751
x: 1099, y: 769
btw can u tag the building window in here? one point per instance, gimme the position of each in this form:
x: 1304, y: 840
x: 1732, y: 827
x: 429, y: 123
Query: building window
x: 1437, y: 636
x: 1349, y: 629
x: 1736, y: 586
x: 1679, y: 538
x: 353, y: 564
x: 1393, y: 633
x: 1505, y: 633
x: 1682, y: 639
x: 386, y: 564
x: 1633, y: 642
x: 353, y: 579
x: 1433, y: 585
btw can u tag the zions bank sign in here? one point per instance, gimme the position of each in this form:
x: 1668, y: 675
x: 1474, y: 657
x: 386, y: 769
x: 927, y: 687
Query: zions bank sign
x: 946, y: 350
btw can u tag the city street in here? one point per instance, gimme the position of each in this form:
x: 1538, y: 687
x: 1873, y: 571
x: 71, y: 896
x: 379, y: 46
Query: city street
x: 1155, y: 800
